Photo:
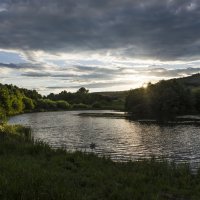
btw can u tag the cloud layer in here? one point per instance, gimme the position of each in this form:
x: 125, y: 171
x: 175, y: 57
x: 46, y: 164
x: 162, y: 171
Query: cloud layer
x: 163, y: 30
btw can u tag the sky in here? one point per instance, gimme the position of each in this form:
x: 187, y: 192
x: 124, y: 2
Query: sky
x: 103, y: 45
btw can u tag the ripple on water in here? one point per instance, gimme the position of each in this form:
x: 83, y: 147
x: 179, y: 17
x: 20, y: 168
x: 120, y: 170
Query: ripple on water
x: 119, y: 139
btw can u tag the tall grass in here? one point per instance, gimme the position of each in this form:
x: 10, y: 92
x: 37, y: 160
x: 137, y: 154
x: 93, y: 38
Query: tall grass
x: 33, y: 171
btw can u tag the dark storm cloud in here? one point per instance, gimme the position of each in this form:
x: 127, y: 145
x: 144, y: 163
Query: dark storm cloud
x: 84, y: 73
x: 36, y: 74
x: 47, y: 74
x: 21, y: 66
x: 166, y: 30
x: 67, y: 76
x: 12, y: 66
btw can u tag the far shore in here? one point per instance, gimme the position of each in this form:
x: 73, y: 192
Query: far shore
x: 183, y: 119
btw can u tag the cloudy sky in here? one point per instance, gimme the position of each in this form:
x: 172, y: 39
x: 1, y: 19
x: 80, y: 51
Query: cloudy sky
x: 104, y: 45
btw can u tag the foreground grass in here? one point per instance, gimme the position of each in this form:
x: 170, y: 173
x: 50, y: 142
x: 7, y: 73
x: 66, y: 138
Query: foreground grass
x: 34, y: 171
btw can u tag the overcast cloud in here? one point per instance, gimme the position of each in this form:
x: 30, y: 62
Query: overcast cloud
x: 167, y: 29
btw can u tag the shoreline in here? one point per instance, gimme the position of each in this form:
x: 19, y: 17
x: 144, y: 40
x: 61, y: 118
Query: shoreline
x: 179, y: 120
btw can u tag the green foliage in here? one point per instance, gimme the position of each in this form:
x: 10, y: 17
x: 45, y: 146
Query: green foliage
x: 97, y: 105
x: 163, y: 100
x: 92, y: 100
x: 14, y: 100
x: 10, y: 100
x: 32, y: 170
x: 46, y: 104
x: 197, y: 99
x: 63, y: 105
x: 28, y: 103
x: 136, y: 102
x: 80, y: 106
x: 82, y: 90
x: 5, y: 100
x: 15, y: 130
x: 32, y: 94
x: 17, y: 105
x: 2, y: 116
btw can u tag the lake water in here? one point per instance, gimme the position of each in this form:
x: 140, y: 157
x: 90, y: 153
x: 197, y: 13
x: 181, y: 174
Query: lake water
x: 118, y: 138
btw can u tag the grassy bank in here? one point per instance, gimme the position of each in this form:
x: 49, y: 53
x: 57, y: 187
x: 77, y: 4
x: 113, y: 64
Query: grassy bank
x: 31, y: 170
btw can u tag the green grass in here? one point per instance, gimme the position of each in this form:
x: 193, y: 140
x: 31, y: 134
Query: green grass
x: 33, y: 171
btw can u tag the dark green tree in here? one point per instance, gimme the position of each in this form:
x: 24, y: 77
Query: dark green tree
x: 28, y: 103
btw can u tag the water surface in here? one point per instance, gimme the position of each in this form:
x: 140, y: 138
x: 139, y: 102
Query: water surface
x: 118, y: 138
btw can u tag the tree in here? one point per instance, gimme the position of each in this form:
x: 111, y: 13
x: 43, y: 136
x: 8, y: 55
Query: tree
x: 83, y: 90
x: 163, y: 100
x: 28, y: 103
x: 197, y: 100
x: 2, y: 115
x: 63, y: 104
x: 5, y: 101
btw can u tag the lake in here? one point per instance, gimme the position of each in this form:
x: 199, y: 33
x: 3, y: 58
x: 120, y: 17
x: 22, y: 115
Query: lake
x: 118, y: 138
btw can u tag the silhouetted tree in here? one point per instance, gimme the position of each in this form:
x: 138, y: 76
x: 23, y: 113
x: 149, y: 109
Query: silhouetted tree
x: 163, y: 100
x: 83, y: 90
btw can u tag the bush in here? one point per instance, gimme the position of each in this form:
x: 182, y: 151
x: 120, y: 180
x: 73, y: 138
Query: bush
x: 46, y: 104
x: 2, y: 115
x: 80, y: 106
x: 28, y: 103
x: 197, y: 100
x: 63, y: 105
x: 97, y: 105
x: 11, y: 130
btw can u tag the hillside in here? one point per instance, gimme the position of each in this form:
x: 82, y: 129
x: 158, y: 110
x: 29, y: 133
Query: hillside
x: 114, y: 94
x: 166, y: 99
x: 191, y: 81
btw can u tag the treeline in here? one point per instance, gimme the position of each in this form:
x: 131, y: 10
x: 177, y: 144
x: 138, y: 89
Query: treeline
x: 14, y: 100
x: 164, y: 100
x: 83, y: 99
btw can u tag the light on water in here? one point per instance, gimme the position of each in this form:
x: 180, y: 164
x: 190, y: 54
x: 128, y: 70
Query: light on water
x: 117, y: 138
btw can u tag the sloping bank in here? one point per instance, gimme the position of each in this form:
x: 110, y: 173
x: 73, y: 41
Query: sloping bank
x: 32, y: 170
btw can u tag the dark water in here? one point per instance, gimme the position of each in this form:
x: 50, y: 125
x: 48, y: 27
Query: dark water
x: 120, y: 139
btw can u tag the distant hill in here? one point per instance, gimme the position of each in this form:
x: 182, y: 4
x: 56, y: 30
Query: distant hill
x: 114, y: 94
x: 166, y: 99
x: 191, y: 81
